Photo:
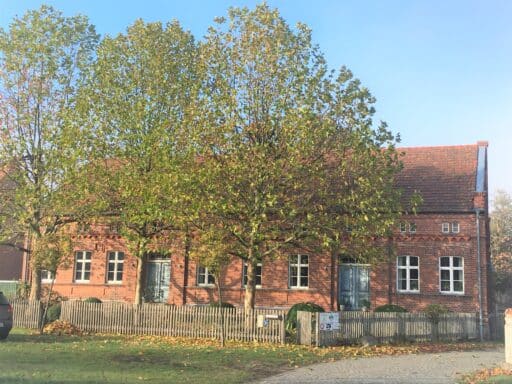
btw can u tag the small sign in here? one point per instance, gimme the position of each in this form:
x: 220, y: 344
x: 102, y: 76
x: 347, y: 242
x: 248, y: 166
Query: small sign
x: 329, y: 321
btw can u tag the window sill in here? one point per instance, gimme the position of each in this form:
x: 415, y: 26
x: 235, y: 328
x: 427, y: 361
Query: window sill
x: 409, y: 292
x: 298, y: 288
x: 452, y: 293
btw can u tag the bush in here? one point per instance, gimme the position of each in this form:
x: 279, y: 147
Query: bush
x: 434, y: 312
x: 216, y: 304
x: 92, y: 300
x: 291, y: 317
x: 390, y: 308
x: 53, y: 313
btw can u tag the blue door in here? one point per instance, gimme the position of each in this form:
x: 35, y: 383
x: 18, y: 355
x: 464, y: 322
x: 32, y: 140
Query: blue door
x: 158, y: 276
x: 353, y: 286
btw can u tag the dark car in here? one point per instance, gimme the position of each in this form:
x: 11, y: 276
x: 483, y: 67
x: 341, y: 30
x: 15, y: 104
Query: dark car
x: 5, y: 316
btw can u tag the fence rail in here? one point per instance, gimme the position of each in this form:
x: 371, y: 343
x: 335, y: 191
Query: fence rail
x: 386, y: 327
x: 166, y: 320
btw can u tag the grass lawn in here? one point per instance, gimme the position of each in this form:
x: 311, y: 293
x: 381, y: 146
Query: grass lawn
x: 30, y: 358
x: 26, y: 357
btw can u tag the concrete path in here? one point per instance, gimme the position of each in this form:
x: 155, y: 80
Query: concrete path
x: 417, y: 369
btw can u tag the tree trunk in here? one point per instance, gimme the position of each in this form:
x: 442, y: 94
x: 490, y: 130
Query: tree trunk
x: 250, y: 289
x: 140, y: 279
x: 221, y: 311
x: 35, y: 284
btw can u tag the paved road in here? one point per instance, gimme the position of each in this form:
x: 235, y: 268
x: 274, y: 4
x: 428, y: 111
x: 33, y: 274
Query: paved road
x: 418, y: 369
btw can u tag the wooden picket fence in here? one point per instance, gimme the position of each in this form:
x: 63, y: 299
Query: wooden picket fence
x: 386, y: 327
x: 168, y: 320
x: 26, y: 313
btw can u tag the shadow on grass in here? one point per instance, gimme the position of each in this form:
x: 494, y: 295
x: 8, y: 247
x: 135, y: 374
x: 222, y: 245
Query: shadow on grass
x: 32, y: 336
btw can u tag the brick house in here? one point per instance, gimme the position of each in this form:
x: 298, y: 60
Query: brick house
x: 441, y: 255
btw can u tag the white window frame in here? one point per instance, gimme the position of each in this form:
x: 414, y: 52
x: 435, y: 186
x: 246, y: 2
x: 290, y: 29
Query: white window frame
x: 403, y: 227
x: 412, y: 227
x: 451, y: 270
x: 81, y: 258
x: 445, y: 228
x: 298, y: 267
x: 116, y: 262
x: 455, y: 227
x: 244, y: 274
x: 47, y: 276
x: 203, y: 271
x: 408, y: 267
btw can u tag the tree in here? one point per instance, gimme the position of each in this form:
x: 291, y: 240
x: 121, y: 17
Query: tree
x: 42, y: 58
x: 288, y: 154
x: 501, y: 240
x: 137, y: 105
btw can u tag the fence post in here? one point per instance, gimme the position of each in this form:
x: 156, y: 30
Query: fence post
x: 508, y: 335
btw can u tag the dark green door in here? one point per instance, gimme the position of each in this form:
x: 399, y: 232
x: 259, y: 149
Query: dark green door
x: 353, y: 286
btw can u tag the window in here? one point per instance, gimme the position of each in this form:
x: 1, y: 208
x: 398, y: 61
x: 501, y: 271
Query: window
x: 204, y: 277
x: 451, y: 274
x: 115, y: 266
x: 47, y: 276
x: 83, y: 266
x: 452, y: 227
x: 299, y: 271
x: 257, y: 276
x: 408, y: 274
x: 407, y: 227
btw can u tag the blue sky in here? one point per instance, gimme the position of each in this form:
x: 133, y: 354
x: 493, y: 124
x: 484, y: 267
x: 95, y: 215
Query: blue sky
x: 441, y: 70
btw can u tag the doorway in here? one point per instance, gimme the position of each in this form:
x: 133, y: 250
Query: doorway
x: 158, y: 277
x: 353, y: 286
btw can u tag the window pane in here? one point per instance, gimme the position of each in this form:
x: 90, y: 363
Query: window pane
x: 445, y: 261
x: 402, y: 261
x: 110, y: 276
x: 87, y: 275
x: 87, y: 267
x: 119, y: 276
x: 445, y: 286
x: 457, y: 275
x: 413, y: 261
x: 445, y: 275
x: 294, y: 259
x: 458, y: 286
x: 457, y: 261
x: 211, y: 279
x: 88, y: 255
x: 402, y: 284
x: 303, y: 281
x: 293, y: 281
x: 111, y: 256
x: 303, y: 271
x: 304, y: 259
x: 414, y: 285
x: 414, y: 274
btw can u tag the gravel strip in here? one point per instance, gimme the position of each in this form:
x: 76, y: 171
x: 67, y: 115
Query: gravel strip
x: 435, y: 368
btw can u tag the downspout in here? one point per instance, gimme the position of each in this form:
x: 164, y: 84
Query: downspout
x: 479, y: 274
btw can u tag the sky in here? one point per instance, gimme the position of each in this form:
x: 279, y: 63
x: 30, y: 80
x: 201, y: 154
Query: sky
x: 441, y: 70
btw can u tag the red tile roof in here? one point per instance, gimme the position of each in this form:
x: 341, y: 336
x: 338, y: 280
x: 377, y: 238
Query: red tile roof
x: 444, y: 176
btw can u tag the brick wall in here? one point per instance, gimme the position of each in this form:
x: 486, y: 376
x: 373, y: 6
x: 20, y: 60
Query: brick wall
x: 428, y: 243
x: 10, y: 263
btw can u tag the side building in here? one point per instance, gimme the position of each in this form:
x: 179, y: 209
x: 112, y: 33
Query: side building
x: 439, y: 255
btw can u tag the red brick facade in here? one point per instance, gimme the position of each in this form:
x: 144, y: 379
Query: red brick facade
x: 449, y: 186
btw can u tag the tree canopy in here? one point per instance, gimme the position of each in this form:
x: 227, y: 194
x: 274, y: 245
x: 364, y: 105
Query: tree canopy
x: 42, y: 59
x: 501, y: 240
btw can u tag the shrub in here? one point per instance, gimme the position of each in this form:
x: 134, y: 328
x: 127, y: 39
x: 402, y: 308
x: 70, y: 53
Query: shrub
x: 92, y: 300
x: 53, y: 313
x: 434, y: 312
x: 216, y: 304
x: 291, y: 317
x: 390, y: 308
